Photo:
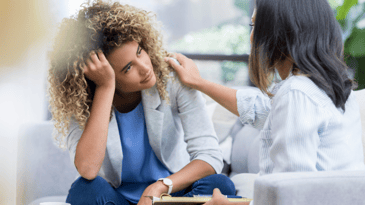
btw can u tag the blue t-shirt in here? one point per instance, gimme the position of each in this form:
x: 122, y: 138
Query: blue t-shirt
x: 140, y: 166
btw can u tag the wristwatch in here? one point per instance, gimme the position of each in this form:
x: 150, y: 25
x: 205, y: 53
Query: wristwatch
x: 167, y: 182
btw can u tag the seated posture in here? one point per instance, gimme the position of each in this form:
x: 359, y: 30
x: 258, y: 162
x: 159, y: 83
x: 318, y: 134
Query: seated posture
x: 131, y: 128
x: 310, y: 121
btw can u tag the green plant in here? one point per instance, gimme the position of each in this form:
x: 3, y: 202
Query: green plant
x: 351, y: 17
x: 229, y: 69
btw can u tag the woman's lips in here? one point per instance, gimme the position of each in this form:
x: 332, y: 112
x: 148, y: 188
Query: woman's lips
x: 149, y: 76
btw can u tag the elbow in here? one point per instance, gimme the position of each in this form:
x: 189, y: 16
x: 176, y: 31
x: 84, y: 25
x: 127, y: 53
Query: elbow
x: 89, y: 175
x: 86, y: 171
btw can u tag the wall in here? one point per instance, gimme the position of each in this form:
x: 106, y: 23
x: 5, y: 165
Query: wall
x: 25, y: 36
x: 22, y: 99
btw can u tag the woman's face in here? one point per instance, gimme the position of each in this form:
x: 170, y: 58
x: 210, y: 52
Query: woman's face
x: 133, y: 68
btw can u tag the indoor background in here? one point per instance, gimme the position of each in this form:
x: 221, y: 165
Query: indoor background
x: 214, y: 32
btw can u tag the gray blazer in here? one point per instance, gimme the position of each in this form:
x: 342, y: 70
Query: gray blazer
x: 178, y: 133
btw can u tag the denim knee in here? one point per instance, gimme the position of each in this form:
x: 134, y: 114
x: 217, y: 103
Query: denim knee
x: 96, y: 191
x: 220, y: 181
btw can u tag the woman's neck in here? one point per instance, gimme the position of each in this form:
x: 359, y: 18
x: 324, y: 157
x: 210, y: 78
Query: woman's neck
x: 126, y: 102
x: 284, y: 68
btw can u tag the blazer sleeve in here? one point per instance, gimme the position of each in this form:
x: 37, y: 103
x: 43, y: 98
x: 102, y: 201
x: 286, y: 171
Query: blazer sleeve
x: 73, y: 138
x: 199, y: 133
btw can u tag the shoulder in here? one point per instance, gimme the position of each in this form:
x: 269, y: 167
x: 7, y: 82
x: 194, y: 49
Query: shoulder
x: 174, y: 85
x: 302, y: 85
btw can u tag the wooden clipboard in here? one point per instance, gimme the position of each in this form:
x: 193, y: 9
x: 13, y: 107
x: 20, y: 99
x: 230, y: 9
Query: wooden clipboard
x: 196, y: 200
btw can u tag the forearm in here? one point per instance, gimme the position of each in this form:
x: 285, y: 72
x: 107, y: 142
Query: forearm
x: 223, y: 95
x: 195, y: 170
x: 90, y: 150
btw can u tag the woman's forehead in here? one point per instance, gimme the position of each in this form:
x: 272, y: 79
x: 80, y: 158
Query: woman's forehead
x: 253, y: 17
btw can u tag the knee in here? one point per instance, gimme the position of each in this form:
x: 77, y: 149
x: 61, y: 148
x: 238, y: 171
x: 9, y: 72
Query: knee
x: 87, y: 191
x: 89, y: 185
x: 222, y: 182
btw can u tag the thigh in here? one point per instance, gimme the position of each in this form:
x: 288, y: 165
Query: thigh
x: 94, y: 192
x: 206, y: 186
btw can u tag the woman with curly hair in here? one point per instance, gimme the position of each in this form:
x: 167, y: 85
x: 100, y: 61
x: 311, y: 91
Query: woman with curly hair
x: 131, y: 128
x: 310, y: 121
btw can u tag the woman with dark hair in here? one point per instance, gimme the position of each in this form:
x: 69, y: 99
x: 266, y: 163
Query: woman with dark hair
x: 131, y: 128
x: 310, y: 121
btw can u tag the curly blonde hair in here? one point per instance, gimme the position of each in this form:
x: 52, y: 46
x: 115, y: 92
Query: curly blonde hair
x: 98, y: 25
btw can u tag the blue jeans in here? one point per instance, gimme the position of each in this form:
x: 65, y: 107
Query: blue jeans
x: 100, y: 192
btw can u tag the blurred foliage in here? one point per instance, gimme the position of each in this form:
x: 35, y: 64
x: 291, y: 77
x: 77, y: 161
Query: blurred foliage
x: 228, y: 38
x: 230, y: 68
x: 243, y: 5
x: 232, y: 38
x: 223, y: 39
x: 351, y: 16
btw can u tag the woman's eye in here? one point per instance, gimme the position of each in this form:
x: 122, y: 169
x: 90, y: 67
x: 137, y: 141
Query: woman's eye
x: 140, y: 51
x: 251, y: 24
x: 128, y: 68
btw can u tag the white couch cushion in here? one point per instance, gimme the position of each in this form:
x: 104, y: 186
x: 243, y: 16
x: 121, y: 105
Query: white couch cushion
x: 360, y: 97
x: 245, y: 150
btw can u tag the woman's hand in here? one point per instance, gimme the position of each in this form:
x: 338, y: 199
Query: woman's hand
x: 187, y: 71
x: 218, y: 198
x: 99, y: 70
x: 155, y: 189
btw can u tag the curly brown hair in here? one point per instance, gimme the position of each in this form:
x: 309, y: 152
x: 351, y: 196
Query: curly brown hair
x: 98, y: 25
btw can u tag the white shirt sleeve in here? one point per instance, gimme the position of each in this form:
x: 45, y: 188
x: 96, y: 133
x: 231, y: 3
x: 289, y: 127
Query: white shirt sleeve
x: 295, y: 122
x: 253, y: 106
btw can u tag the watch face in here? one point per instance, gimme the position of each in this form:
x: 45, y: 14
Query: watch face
x: 167, y: 181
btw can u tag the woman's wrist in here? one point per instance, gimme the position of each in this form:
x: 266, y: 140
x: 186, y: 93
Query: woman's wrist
x: 203, y: 85
x: 109, y: 86
x: 161, y: 187
x: 199, y: 84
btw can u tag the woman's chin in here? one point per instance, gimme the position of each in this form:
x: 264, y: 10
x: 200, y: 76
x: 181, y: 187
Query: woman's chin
x: 151, y: 82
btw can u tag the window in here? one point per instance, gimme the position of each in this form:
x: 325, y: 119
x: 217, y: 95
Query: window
x: 214, y: 33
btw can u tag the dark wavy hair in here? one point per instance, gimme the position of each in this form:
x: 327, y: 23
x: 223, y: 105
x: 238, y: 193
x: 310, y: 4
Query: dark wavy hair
x: 307, y: 33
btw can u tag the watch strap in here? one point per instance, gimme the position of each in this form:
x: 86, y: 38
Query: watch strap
x: 170, y: 186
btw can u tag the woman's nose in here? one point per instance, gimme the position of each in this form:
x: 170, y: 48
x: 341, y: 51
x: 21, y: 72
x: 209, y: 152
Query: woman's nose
x: 143, y: 68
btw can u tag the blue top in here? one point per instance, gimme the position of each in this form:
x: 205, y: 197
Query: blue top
x: 140, y: 166
x: 301, y: 128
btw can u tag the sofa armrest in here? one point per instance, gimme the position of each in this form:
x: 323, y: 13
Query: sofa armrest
x: 43, y: 169
x: 330, y: 187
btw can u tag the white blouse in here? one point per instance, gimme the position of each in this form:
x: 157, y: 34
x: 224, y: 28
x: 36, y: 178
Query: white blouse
x: 301, y: 129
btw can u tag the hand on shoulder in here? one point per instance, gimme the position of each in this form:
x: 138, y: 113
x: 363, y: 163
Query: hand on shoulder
x: 187, y: 70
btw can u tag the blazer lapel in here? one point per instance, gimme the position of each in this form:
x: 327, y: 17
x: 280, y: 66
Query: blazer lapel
x: 154, y: 119
x: 114, y: 146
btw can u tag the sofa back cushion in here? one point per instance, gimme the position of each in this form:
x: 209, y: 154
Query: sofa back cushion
x: 43, y: 169
x: 245, y: 149
x: 360, y: 97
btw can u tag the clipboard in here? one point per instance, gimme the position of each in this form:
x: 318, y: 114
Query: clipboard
x: 195, y: 200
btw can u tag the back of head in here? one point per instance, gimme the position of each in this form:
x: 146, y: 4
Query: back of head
x: 306, y: 32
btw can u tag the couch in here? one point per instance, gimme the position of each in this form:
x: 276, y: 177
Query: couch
x: 45, y: 172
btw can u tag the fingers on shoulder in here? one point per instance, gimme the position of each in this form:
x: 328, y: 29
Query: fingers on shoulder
x: 172, y: 63
x: 180, y: 56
